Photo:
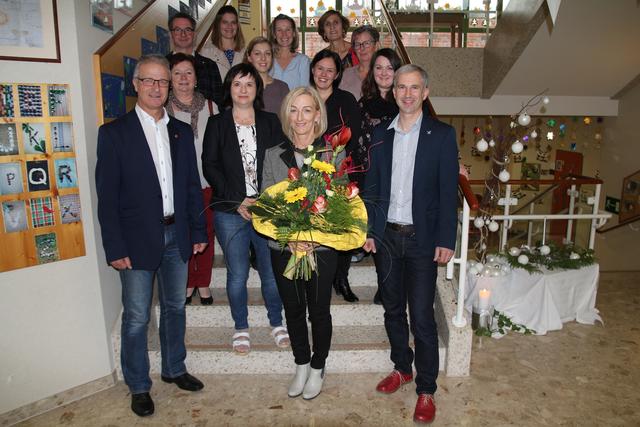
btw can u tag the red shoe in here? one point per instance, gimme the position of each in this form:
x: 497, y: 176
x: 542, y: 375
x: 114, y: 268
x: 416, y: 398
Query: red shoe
x: 392, y: 382
x: 425, y: 409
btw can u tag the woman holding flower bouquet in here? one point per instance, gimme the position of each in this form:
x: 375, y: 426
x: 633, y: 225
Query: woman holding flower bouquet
x: 342, y: 112
x: 304, y: 121
x: 232, y: 159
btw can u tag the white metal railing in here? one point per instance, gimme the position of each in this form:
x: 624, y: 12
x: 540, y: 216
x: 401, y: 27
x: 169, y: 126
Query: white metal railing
x: 598, y: 219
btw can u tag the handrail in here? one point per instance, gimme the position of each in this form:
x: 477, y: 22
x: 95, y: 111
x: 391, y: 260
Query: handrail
x: 578, y: 181
x: 467, y: 192
x: 535, y: 199
x: 618, y: 225
x: 207, y: 34
x: 124, y: 30
x: 402, y: 51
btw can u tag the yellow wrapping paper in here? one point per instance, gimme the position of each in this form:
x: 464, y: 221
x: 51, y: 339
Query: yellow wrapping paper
x: 341, y: 242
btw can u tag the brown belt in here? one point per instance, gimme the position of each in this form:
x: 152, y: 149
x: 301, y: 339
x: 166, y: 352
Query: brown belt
x: 401, y: 228
x: 168, y: 220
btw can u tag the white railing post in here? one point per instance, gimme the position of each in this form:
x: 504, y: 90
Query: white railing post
x: 505, y: 224
x: 572, y: 203
x: 459, y: 320
x: 530, y: 225
x: 594, y: 221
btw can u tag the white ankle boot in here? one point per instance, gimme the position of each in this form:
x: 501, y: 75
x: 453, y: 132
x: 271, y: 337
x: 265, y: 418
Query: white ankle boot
x: 297, y: 385
x: 313, y: 387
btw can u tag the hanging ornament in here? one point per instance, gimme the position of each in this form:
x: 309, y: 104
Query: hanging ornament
x: 549, y: 136
x: 551, y: 123
x: 492, y: 143
x: 517, y: 147
x: 482, y: 145
x: 512, y: 125
x: 545, y: 100
x: 525, y: 138
x: 504, y: 175
x: 544, y: 250
x: 600, y: 119
x: 478, y: 222
x: 598, y: 136
x: 514, y: 251
x: 562, y: 127
x: 574, y: 255
x: 493, y: 226
x: 587, y: 121
x: 476, y: 130
x: 574, y: 146
x: 534, y: 134
x: 524, y: 119
x: 523, y: 259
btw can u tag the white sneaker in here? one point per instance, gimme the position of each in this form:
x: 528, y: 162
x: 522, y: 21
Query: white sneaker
x: 297, y: 385
x: 313, y: 387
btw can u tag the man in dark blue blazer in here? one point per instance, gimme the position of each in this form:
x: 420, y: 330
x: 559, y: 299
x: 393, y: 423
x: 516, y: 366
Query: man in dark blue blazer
x: 411, y: 199
x: 149, y: 205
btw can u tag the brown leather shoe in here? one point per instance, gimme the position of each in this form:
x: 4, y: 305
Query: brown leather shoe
x: 425, y: 409
x: 392, y: 382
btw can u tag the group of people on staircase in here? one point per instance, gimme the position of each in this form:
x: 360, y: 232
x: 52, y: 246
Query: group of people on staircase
x: 210, y: 131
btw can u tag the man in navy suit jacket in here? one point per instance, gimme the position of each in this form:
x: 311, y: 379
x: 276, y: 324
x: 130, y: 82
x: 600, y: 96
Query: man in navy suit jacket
x: 149, y: 205
x: 411, y: 198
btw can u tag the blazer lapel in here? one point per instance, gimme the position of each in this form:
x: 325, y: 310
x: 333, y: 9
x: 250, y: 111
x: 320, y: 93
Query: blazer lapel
x: 174, y: 138
x: 139, y: 137
x: 287, y: 155
x: 424, y: 141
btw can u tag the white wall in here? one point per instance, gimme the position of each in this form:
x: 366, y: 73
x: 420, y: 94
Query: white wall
x: 57, y: 318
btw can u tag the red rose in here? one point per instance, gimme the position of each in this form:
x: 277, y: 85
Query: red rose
x: 293, y: 174
x: 303, y: 204
x: 352, y: 190
x: 320, y: 205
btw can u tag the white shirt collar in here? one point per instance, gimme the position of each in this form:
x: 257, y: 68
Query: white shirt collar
x: 146, y: 116
x: 395, y: 126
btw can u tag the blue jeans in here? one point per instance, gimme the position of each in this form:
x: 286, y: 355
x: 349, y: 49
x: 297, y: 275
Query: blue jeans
x: 235, y: 234
x: 407, y: 274
x: 137, y: 292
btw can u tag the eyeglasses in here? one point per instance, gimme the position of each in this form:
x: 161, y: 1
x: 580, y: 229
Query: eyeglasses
x: 149, y: 82
x: 182, y: 31
x: 365, y: 45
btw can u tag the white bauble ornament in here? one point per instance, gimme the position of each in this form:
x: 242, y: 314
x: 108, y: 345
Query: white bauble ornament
x: 504, y: 175
x: 524, y: 119
x: 473, y: 270
x: 517, y: 147
x: 482, y: 145
x: 495, y: 273
x: 490, y: 259
x: 544, y: 250
x: 483, y: 247
x: 523, y: 259
x: 472, y: 262
x: 574, y: 255
x: 545, y: 100
x: 534, y: 134
x: 478, y: 222
x: 514, y: 251
x: 493, y: 226
x: 486, y: 271
x: 492, y: 143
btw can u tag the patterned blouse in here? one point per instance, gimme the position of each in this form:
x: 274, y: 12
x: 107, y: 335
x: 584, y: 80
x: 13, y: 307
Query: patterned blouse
x: 248, y: 149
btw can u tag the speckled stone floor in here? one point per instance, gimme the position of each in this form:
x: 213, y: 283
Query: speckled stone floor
x: 579, y: 376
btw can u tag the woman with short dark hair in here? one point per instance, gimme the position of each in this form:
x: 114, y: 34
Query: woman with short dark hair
x: 333, y: 27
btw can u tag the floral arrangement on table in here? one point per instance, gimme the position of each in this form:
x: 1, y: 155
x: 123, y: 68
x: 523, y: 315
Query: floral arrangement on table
x: 549, y: 256
x: 316, y: 204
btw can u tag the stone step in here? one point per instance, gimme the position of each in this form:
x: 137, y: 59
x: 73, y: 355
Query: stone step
x: 364, y: 293
x: 360, y: 274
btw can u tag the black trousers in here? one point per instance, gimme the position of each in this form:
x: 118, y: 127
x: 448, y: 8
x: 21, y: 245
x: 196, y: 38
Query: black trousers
x: 344, y: 263
x: 407, y: 274
x: 314, y: 294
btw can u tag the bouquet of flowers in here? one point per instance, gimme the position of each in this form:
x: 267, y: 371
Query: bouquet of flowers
x: 316, y: 204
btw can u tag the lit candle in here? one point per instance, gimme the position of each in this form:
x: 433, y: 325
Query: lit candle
x: 483, y: 303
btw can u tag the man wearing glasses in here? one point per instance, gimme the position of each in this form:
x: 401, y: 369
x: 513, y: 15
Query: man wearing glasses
x: 149, y: 204
x: 182, y: 27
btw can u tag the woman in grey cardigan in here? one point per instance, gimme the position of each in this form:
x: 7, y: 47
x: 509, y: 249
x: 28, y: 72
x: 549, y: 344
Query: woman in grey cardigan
x: 304, y: 121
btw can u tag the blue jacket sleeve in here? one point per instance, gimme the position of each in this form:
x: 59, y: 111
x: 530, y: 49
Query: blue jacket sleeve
x: 448, y: 177
x: 197, y: 222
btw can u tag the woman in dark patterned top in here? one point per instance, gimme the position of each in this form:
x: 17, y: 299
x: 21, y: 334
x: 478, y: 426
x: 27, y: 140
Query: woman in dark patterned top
x: 333, y: 27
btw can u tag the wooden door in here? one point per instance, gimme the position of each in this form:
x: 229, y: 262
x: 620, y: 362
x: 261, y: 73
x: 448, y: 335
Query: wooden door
x: 567, y: 162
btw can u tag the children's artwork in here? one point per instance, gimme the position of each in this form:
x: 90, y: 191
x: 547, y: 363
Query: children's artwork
x: 33, y: 139
x: 184, y: 8
x: 172, y: 11
x: 69, y: 208
x: 38, y: 175
x: 58, y: 100
x: 62, y: 137
x: 630, y: 200
x: 162, y: 38
x: 41, y: 212
x: 531, y: 172
x: 129, y: 67
x: 193, y: 5
x: 8, y: 139
x: 6, y: 101
x: 113, y: 96
x: 201, y: 4
x: 46, y: 248
x: 30, y: 97
x: 102, y: 14
x: 65, y: 170
x: 147, y: 47
x: 10, y: 178
x: 14, y: 215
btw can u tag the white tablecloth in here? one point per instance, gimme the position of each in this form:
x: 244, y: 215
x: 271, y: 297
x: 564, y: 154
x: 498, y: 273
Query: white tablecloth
x: 541, y: 302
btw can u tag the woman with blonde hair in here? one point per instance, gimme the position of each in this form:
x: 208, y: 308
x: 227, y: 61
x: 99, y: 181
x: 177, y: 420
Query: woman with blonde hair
x: 259, y: 53
x: 304, y: 121
x: 227, y: 41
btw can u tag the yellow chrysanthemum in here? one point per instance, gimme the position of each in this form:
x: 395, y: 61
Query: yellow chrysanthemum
x: 295, y: 195
x: 323, y: 166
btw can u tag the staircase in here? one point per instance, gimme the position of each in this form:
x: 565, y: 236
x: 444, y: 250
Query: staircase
x: 359, y: 342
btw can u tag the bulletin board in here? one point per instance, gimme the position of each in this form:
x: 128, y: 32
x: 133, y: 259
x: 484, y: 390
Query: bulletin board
x: 41, y: 219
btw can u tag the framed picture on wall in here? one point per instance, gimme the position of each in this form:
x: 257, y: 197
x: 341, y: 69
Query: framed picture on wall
x: 630, y: 200
x: 29, y: 31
